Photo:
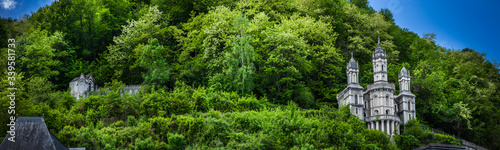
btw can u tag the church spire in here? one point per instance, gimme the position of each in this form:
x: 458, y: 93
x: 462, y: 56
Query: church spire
x: 378, y: 41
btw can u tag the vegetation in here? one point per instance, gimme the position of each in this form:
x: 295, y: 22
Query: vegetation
x: 253, y: 74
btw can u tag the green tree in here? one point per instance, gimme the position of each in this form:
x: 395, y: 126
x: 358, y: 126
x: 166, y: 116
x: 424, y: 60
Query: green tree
x: 124, y: 53
x: 153, y: 59
x: 37, y: 53
x: 287, y: 60
x: 238, y: 73
x: 387, y: 14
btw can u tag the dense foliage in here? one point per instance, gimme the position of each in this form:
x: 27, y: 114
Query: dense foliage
x: 244, y: 74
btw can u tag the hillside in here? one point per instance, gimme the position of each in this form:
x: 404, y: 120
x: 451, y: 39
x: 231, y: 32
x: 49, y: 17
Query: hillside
x: 243, y: 75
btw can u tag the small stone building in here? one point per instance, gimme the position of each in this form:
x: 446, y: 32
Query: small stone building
x: 377, y: 104
x: 81, y: 86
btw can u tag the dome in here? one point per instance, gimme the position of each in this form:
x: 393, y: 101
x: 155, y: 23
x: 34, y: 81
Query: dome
x: 404, y: 72
x: 379, y: 51
x: 352, y: 63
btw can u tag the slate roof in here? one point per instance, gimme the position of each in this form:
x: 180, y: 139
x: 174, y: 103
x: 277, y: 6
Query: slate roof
x: 352, y: 63
x: 435, y: 146
x: 404, y: 72
x: 32, y: 133
x: 88, y: 77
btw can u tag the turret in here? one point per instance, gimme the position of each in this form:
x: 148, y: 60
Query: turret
x: 379, y: 62
x: 406, y: 99
x: 352, y: 71
x: 404, y: 79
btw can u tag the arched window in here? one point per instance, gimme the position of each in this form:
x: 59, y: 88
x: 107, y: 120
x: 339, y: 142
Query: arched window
x: 376, y: 112
x: 409, y: 116
x: 356, y: 111
x: 409, y: 106
x: 387, y: 112
x: 386, y: 100
x: 356, y: 99
x: 395, y: 108
x: 382, y: 68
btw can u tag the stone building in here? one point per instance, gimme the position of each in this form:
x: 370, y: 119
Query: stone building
x: 377, y: 104
x: 82, y: 85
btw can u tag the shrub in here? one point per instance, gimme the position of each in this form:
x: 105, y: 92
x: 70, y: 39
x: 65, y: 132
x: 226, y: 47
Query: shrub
x: 131, y: 121
x: 118, y: 124
x: 407, y: 142
x: 146, y: 144
x: 176, y: 141
x: 249, y: 103
x: 445, y: 139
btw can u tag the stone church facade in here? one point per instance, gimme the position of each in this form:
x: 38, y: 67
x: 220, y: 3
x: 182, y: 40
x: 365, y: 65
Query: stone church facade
x: 377, y: 104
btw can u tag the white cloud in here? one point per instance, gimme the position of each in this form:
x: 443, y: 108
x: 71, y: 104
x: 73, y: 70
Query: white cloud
x: 8, y: 4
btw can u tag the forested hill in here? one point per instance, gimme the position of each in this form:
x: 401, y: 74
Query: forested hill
x: 236, y: 74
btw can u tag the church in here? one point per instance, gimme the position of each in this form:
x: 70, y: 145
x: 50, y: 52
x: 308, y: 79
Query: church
x: 377, y: 104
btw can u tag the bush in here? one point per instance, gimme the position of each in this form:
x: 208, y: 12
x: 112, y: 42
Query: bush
x: 146, y: 144
x: 118, y: 124
x: 176, y: 141
x: 249, y: 103
x: 445, y: 139
x: 407, y: 142
x: 131, y: 121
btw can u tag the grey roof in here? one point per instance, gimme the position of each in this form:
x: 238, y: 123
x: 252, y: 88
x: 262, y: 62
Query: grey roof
x: 75, y: 79
x: 88, y: 77
x: 404, y: 72
x: 406, y: 93
x: 352, y: 63
x: 441, y: 146
x: 32, y: 133
x: 379, y: 51
x: 380, y: 85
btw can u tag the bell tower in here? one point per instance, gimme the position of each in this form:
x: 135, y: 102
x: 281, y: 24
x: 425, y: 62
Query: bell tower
x: 379, y: 61
x: 405, y: 99
x: 352, y: 95
x: 352, y: 71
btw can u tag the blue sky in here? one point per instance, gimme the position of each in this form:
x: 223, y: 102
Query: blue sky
x: 458, y: 24
x: 16, y: 8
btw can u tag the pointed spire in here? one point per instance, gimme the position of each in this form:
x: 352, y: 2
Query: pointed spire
x: 404, y: 72
x: 379, y: 41
x: 352, y: 63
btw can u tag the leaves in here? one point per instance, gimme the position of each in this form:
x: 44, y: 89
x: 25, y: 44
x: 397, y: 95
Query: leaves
x: 153, y: 59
